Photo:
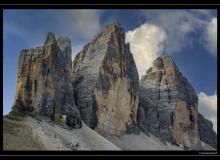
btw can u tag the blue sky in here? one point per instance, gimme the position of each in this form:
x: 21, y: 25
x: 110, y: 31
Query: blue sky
x: 189, y: 36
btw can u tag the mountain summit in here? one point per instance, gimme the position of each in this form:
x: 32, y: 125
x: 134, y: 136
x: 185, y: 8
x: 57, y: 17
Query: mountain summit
x: 168, y: 106
x: 173, y: 115
x: 105, y: 81
x: 44, y: 85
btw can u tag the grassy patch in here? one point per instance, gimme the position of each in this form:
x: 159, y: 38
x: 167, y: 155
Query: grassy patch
x: 18, y: 136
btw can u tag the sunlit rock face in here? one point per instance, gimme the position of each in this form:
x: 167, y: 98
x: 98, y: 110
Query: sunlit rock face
x: 168, y: 104
x: 105, y: 81
x: 44, y: 83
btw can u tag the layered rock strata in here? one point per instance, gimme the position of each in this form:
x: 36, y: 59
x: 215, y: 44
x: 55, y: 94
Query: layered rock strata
x: 168, y: 104
x: 206, y: 131
x: 44, y: 83
x: 105, y: 81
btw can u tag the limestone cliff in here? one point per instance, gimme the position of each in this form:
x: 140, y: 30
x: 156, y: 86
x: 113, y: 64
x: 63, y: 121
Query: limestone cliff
x: 105, y: 81
x: 168, y: 104
x: 206, y: 132
x: 43, y: 84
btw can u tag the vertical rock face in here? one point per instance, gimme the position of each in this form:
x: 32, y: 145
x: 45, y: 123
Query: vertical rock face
x: 43, y: 84
x: 105, y: 81
x: 64, y: 44
x: 168, y: 104
x: 206, y: 132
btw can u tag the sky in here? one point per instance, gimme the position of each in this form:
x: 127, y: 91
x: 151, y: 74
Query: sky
x: 189, y: 36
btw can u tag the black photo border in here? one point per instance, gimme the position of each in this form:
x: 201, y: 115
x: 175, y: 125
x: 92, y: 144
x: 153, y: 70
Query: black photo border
x: 9, y: 6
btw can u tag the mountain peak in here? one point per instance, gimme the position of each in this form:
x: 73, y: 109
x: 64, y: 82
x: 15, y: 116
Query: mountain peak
x: 112, y: 27
x: 164, y: 62
x: 64, y: 43
x: 174, y: 102
x: 114, y: 24
x: 100, y: 69
x: 50, y: 39
x: 43, y: 85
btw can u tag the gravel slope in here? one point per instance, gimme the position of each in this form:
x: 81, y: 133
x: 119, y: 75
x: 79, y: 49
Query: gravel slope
x: 40, y: 133
x: 141, y: 142
x: 53, y: 137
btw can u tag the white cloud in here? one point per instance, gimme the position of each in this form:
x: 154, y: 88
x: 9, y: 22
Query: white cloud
x: 179, y: 26
x: 169, y: 31
x: 211, y: 36
x: 146, y: 43
x: 208, y: 107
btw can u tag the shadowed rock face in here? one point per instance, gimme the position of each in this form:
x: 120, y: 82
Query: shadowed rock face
x: 64, y: 44
x: 206, y: 132
x: 168, y: 104
x: 43, y: 84
x: 105, y: 81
